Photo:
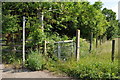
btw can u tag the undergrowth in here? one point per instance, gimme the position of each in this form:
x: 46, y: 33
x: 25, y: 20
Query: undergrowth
x: 97, y: 64
x: 89, y: 67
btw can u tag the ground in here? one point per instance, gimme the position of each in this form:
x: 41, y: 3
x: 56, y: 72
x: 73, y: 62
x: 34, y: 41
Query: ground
x: 8, y: 72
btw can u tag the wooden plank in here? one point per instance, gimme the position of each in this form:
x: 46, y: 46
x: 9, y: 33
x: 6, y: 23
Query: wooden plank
x: 15, y: 45
x: 3, y: 40
x: 66, y: 41
x: 2, y: 44
x: 8, y: 50
x: 21, y: 40
x: 10, y: 45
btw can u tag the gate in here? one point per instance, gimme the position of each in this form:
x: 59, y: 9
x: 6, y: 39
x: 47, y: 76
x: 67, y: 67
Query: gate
x: 61, y: 49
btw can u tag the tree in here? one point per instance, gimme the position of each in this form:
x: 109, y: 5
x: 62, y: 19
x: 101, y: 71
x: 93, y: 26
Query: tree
x: 112, y: 28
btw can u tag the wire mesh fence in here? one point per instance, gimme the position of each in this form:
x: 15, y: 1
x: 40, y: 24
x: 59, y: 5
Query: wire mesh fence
x: 62, y: 49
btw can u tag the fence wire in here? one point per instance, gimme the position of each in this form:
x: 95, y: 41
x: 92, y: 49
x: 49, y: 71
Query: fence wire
x: 62, y: 50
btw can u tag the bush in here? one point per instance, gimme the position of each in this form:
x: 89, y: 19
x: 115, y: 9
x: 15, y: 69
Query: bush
x: 35, y: 61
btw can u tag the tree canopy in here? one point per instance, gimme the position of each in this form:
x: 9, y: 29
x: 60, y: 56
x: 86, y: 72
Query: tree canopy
x: 59, y: 18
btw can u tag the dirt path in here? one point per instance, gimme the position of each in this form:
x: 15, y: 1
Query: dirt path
x: 12, y: 73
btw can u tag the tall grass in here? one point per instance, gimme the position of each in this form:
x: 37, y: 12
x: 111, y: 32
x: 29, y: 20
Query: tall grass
x: 97, y: 64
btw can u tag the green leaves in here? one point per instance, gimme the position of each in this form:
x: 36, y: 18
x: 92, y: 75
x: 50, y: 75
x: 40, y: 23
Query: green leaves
x: 10, y: 23
x: 112, y: 27
x: 59, y: 17
x: 35, y: 61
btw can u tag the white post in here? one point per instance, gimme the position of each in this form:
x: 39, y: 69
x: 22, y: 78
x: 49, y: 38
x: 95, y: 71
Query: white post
x: 23, y: 40
x: 42, y: 19
x: 78, y: 45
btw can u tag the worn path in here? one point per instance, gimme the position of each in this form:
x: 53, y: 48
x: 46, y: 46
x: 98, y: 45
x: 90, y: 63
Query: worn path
x: 12, y: 73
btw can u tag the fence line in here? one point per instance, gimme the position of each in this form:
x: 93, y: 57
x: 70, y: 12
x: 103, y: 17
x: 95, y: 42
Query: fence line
x: 66, y: 41
x: 58, y: 43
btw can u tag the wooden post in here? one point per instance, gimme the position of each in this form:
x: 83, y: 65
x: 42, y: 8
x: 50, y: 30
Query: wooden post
x: 38, y: 48
x: 96, y: 41
x: 74, y: 45
x: 103, y: 39
x: 91, y: 39
x: 100, y: 40
x: 45, y: 47
x: 72, y: 49
x: 24, y: 40
x: 77, y: 44
x: 119, y: 56
x: 42, y: 18
x: 113, y: 50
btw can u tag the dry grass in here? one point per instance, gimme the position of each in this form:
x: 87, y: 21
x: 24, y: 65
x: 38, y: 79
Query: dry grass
x: 105, y: 50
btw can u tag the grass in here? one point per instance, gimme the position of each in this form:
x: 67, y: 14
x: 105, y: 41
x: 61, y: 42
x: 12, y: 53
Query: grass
x: 97, y: 64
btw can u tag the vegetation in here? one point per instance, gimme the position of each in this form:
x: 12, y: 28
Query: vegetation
x: 59, y: 21
x: 35, y: 61
x: 59, y: 18
x: 97, y: 65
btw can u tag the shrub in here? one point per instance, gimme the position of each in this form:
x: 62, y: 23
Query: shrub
x: 35, y: 61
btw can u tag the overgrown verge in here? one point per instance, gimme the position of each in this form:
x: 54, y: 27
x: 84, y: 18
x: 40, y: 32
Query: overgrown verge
x: 96, y: 64
x: 86, y: 68
x: 93, y: 65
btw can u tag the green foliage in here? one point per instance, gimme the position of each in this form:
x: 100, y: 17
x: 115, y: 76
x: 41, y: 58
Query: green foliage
x: 95, y: 65
x: 60, y: 23
x: 8, y: 57
x: 35, y: 61
x: 10, y: 23
x: 98, y: 5
x: 11, y: 56
x: 112, y: 27
x: 63, y: 18
x: 87, y: 68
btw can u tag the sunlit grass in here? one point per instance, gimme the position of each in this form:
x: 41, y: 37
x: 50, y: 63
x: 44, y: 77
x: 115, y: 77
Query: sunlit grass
x: 96, y: 64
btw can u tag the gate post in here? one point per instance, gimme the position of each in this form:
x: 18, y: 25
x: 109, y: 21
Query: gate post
x: 45, y: 47
x: 24, y: 40
x: 77, y: 45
